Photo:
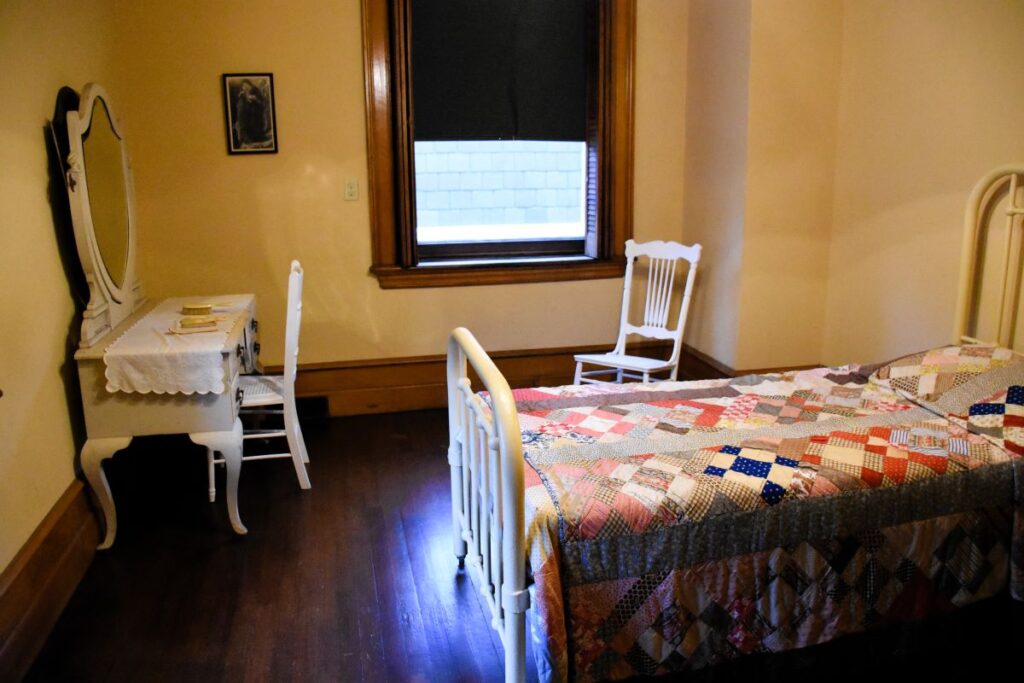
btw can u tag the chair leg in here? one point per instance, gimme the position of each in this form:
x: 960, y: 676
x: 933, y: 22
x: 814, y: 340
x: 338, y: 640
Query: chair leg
x: 302, y: 444
x: 579, y: 372
x: 647, y: 377
x: 211, y: 477
x: 297, y: 447
x: 618, y: 375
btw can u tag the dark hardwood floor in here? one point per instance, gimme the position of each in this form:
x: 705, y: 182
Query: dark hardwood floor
x: 355, y: 580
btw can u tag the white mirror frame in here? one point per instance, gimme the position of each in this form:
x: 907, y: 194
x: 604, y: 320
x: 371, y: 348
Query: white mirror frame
x: 108, y: 303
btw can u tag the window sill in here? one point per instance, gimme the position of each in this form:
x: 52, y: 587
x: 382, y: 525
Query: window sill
x: 492, y: 272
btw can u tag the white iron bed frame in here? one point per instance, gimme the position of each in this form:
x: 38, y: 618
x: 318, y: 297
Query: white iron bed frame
x: 486, y: 451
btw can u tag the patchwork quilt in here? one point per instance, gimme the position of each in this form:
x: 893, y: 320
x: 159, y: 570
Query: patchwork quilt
x: 678, y: 524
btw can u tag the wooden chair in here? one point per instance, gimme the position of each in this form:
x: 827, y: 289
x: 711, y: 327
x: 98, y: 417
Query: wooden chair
x: 260, y: 393
x: 663, y: 261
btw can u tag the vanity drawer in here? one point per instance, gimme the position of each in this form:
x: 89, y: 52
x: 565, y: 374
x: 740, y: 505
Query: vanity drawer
x: 250, y: 349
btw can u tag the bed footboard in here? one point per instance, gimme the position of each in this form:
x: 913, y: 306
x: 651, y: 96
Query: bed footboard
x: 485, y: 453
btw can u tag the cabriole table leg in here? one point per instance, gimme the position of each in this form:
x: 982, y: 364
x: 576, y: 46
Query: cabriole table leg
x: 228, y: 444
x: 94, y: 452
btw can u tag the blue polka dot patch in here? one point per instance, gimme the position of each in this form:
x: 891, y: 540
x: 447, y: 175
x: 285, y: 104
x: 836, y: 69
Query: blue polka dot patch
x: 772, y: 493
x: 988, y: 409
x: 754, y: 468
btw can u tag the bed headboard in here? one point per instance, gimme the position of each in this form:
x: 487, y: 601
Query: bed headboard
x: 992, y: 258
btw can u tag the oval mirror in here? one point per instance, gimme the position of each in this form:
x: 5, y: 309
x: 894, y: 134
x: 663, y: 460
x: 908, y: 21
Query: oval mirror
x: 108, y: 202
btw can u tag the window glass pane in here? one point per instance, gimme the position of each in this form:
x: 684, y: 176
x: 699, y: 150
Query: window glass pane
x: 499, y: 190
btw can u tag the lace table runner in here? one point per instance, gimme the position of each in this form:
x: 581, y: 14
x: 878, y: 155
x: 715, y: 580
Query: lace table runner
x: 149, y: 357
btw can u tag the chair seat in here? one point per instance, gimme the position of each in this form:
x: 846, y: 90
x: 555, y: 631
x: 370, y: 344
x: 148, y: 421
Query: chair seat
x: 624, y: 361
x: 261, y: 390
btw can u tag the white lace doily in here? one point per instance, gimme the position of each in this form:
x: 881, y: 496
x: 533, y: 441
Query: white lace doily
x: 149, y: 358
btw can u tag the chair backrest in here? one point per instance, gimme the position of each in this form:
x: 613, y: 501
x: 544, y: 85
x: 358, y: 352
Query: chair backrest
x: 291, y: 330
x: 663, y: 262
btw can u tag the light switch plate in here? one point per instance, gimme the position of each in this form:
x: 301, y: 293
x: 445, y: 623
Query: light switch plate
x: 351, y: 190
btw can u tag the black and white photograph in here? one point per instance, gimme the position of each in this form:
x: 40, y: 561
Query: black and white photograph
x: 249, y: 111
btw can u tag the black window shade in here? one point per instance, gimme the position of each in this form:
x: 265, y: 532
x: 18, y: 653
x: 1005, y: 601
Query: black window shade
x: 500, y: 69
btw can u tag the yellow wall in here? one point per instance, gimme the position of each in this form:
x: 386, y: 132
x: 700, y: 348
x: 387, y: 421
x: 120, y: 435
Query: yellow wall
x: 831, y: 147
x: 791, y: 138
x: 715, y: 174
x: 761, y: 111
x: 931, y: 97
x: 210, y: 222
x: 44, y: 44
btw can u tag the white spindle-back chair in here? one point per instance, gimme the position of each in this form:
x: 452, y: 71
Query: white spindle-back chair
x: 663, y: 262
x: 261, y: 392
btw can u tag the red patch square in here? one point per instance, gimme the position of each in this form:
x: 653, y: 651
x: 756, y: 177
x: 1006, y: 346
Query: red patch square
x: 932, y: 462
x: 870, y: 477
x: 1010, y: 420
x: 850, y: 436
x: 896, y: 469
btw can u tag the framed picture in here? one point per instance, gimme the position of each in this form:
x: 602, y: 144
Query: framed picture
x: 249, y: 113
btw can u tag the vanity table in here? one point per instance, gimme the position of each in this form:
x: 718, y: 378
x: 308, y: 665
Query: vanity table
x: 140, y: 372
x: 162, y: 392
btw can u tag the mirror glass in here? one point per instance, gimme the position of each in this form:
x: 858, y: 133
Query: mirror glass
x: 108, y: 201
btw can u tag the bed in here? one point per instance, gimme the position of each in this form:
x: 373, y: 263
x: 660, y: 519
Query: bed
x: 649, y: 528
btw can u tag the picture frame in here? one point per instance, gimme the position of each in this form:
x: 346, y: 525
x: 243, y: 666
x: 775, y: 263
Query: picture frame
x: 249, y: 113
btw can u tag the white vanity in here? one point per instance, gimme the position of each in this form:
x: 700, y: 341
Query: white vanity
x: 140, y: 373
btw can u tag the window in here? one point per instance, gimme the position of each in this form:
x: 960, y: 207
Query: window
x: 484, y: 187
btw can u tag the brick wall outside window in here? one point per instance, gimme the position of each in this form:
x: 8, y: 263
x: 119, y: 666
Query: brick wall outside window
x: 498, y: 182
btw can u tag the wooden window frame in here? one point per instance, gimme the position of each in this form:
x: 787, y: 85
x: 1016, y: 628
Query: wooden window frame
x: 389, y: 153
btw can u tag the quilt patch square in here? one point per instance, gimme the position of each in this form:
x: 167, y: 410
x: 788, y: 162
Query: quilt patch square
x: 929, y: 374
x: 760, y: 471
x: 1000, y: 417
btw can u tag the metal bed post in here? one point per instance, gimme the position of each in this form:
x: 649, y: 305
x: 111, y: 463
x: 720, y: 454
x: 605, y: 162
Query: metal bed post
x: 978, y: 204
x: 485, y: 454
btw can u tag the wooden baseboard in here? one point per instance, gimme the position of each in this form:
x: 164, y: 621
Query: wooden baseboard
x: 701, y: 364
x: 38, y: 583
